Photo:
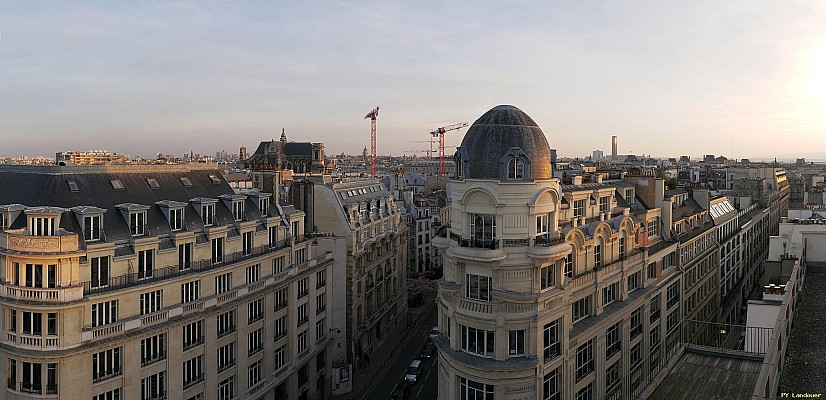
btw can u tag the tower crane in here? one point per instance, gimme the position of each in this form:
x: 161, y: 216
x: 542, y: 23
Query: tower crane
x: 440, y: 132
x: 372, y: 116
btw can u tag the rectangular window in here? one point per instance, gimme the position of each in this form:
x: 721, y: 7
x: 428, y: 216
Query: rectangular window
x: 302, y: 341
x: 104, y: 313
x: 634, y: 281
x: 320, y: 278
x: 636, y: 354
x: 51, y: 324
x: 264, y: 206
x: 477, y: 341
x: 613, y: 340
x: 184, y: 256
x: 579, y: 208
x: 636, y: 323
x: 543, y: 224
x: 584, y: 360
x: 612, y: 379
x: 113, y: 394
x: 100, y: 272
x: 176, y: 219
x: 223, y: 283
x: 629, y: 196
x: 153, y: 349
x: 655, y: 308
x: 226, y: 389
x: 226, y: 356
x: 193, y: 371
x: 190, y: 291
x: 299, y: 256
x: 154, y: 386
x: 278, y: 265
x: 137, y: 223
x: 254, y: 374
x: 32, y: 323
x: 320, y: 329
x: 585, y: 393
x: 146, y: 260
x: 280, y: 357
x: 151, y: 302
x: 238, y: 210
x: 302, y: 314
x: 208, y: 214
x: 581, y: 308
x: 516, y: 343
x: 253, y: 273
x: 280, y: 326
x: 91, y: 227
x: 654, y: 338
x: 106, y: 364
x: 652, y: 271
x: 477, y: 287
x: 482, y: 230
x: 217, y: 250
x: 673, y: 319
x: 302, y: 287
x: 610, y: 293
x: 247, y: 243
x: 193, y: 334
x: 470, y: 390
x: 550, y: 386
x: 546, y: 277
x: 281, y: 296
x: 603, y: 204
x: 255, y: 341
x: 320, y: 303
x: 255, y: 310
x: 569, y: 265
x: 652, y: 228
x: 551, y: 340
x: 672, y: 295
x: 226, y: 323
x: 272, y: 236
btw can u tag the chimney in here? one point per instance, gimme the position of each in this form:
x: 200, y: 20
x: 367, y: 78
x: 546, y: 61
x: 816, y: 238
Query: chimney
x: 577, y: 180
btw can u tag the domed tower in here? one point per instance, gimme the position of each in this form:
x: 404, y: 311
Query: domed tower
x: 503, y: 252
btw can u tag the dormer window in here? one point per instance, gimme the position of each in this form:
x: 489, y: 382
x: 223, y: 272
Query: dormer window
x: 238, y: 209
x: 153, y: 183
x: 92, y: 227
x: 263, y: 205
x: 208, y: 214
x: 3, y: 223
x: 137, y: 223
x: 43, y: 221
x: 176, y: 219
x: 135, y: 215
x: 515, y: 169
x: 186, y: 182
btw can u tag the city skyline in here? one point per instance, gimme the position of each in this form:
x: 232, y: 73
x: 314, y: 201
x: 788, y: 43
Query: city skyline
x: 738, y: 79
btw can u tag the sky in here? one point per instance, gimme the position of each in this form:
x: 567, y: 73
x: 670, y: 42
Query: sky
x: 744, y: 79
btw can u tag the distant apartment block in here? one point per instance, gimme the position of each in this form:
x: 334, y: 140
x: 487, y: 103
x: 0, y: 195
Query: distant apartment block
x: 91, y: 157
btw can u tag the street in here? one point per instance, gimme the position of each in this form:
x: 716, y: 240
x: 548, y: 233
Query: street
x: 427, y: 387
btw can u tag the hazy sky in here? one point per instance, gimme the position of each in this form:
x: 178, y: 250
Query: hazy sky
x: 670, y: 78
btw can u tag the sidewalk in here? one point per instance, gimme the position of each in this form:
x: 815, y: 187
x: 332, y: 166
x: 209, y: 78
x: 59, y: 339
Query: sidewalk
x: 384, y: 350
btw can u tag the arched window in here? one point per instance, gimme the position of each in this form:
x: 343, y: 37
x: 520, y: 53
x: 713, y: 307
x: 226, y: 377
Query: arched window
x: 516, y: 168
x: 598, y: 253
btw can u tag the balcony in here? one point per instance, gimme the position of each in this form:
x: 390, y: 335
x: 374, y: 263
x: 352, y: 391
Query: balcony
x: 174, y: 271
x: 32, y: 341
x: 44, y: 295
x: 98, y: 376
x: 17, y: 242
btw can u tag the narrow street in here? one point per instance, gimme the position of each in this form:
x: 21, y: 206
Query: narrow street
x: 427, y: 386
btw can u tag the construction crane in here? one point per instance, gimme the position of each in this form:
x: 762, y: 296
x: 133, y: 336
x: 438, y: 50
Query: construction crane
x: 440, y: 132
x: 372, y: 116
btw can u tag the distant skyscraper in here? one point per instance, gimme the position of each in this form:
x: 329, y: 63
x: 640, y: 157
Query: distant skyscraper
x: 242, y: 153
x: 613, y: 147
x: 597, y: 155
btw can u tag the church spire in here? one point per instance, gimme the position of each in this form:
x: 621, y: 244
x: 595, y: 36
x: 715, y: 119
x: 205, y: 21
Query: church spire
x: 283, y: 135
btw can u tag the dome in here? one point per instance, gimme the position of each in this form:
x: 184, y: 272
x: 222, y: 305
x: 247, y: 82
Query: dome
x: 502, y: 134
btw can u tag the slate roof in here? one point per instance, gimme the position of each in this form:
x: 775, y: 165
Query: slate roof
x: 804, y: 369
x: 95, y: 189
x: 495, y: 132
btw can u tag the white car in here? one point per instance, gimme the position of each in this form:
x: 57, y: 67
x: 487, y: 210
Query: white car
x: 412, y: 374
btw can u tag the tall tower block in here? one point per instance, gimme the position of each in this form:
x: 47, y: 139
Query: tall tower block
x: 614, y: 148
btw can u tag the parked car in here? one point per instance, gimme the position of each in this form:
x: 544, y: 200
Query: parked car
x: 401, y: 391
x: 413, y: 371
x: 427, y: 350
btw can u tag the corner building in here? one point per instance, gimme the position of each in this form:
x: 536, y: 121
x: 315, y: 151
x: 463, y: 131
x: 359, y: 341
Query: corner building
x: 550, y: 291
x: 144, y: 282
